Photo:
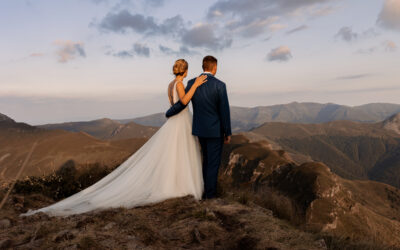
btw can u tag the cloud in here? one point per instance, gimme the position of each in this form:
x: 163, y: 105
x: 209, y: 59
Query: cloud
x: 276, y: 27
x: 36, y: 55
x: 183, y: 50
x: 69, y: 50
x: 123, y: 21
x: 246, y: 14
x: 389, y: 17
x: 297, y: 29
x: 352, y: 77
x: 137, y: 49
x: 203, y: 36
x: 99, y: 1
x: 347, y: 34
x: 267, y: 39
x: 154, y: 3
x: 253, y: 28
x: 141, y: 50
x: 281, y: 54
x: 368, y: 51
x: 122, y: 54
x: 390, y: 46
x: 324, y: 11
x: 386, y: 46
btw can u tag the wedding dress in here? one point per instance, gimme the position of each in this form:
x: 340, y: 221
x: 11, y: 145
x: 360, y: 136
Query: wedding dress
x: 167, y: 166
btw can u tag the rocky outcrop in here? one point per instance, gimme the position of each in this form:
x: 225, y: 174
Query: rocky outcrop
x: 313, y: 196
x: 4, y: 118
x: 393, y: 123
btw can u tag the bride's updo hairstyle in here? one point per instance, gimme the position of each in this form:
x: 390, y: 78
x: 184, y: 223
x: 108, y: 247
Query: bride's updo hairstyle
x: 180, y: 67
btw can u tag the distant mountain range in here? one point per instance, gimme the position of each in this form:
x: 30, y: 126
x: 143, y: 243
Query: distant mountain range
x: 55, y: 147
x: 351, y: 149
x: 106, y: 129
x: 244, y: 119
x: 155, y: 120
x: 248, y: 118
x: 356, y: 142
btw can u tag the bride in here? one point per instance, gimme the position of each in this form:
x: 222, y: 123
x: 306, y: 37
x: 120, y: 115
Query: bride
x: 167, y: 166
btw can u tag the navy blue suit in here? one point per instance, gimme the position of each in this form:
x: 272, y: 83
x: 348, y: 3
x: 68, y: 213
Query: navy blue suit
x: 211, y: 123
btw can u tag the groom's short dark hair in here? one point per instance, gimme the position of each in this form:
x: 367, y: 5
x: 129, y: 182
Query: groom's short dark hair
x: 209, y: 62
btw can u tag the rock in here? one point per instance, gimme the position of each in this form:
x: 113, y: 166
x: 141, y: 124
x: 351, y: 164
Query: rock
x: 196, y: 235
x: 67, y: 170
x: 63, y: 235
x: 321, y: 244
x: 131, y: 237
x: 109, y: 226
x: 19, y: 202
x: 6, y: 243
x: 210, y: 214
x: 71, y: 247
x: 5, y: 223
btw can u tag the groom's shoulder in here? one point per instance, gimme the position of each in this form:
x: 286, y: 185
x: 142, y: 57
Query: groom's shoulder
x: 213, y: 79
x: 218, y: 82
x: 191, y: 81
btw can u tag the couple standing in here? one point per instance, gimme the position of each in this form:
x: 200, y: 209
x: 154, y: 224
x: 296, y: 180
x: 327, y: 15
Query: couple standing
x: 174, y: 162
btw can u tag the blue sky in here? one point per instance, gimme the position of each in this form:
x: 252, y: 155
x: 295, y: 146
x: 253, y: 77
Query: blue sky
x: 88, y: 59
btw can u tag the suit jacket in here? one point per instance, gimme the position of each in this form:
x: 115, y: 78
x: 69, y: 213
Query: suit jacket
x: 211, y: 113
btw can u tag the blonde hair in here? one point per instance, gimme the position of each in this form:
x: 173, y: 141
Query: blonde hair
x: 180, y: 67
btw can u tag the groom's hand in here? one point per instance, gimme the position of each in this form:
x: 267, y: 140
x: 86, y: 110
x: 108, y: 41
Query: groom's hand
x: 227, y: 139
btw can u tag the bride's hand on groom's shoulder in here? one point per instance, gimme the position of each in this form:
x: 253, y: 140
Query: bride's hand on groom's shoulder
x: 200, y: 80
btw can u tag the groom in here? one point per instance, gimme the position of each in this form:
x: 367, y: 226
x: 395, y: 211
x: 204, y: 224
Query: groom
x: 211, y: 122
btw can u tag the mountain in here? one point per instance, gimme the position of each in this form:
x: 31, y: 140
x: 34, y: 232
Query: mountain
x: 244, y: 119
x: 155, y: 120
x: 106, y: 129
x: 310, y: 195
x: 54, y: 148
x: 393, y: 123
x: 247, y: 118
x: 267, y: 201
x: 351, y: 149
x: 8, y: 123
x: 4, y: 118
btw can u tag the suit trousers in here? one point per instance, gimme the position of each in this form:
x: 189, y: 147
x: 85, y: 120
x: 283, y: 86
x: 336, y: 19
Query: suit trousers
x: 211, y: 151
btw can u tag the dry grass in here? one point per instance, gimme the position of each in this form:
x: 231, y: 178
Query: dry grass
x: 68, y: 180
x: 173, y: 224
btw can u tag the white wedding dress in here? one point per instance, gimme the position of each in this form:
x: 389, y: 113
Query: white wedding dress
x: 167, y: 166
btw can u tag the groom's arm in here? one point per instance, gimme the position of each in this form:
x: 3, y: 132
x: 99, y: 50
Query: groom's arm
x: 175, y: 109
x: 179, y: 106
x: 224, y: 111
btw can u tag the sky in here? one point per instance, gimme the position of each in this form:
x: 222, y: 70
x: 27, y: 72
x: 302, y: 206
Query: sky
x: 88, y: 59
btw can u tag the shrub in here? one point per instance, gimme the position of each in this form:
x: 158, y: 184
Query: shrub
x: 64, y: 182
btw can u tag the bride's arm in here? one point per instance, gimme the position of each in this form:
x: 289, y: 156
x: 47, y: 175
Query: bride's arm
x: 186, y: 97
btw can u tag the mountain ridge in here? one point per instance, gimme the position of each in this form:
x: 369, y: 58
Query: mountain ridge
x: 105, y: 129
x: 393, y: 123
x: 245, y: 119
x: 352, y: 150
x: 55, y: 147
